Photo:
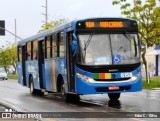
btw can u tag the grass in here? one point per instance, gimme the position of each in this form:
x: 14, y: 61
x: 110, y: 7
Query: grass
x: 154, y: 83
x: 12, y: 76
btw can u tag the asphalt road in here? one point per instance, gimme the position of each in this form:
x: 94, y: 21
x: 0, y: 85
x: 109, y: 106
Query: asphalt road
x: 18, y: 98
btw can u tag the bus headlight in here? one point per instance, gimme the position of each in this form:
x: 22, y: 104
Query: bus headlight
x: 134, y: 78
x: 87, y: 79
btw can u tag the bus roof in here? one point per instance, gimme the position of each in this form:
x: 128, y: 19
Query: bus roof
x: 47, y: 32
x: 70, y: 26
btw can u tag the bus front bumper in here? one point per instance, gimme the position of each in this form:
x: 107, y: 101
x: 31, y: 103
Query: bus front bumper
x: 83, y: 87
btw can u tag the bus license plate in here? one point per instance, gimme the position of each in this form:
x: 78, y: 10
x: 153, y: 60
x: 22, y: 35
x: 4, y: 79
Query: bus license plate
x: 113, y: 88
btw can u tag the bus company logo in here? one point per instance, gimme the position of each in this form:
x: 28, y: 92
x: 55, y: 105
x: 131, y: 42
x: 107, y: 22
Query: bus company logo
x: 6, y: 115
x: 113, y: 70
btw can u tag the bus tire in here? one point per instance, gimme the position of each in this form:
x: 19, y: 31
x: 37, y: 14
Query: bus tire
x: 114, y: 96
x: 32, y: 90
x: 65, y: 96
x: 40, y: 93
x: 68, y: 97
x: 76, y: 98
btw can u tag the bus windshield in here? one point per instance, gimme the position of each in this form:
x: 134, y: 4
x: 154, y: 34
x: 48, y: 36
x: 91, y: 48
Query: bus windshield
x: 108, y: 49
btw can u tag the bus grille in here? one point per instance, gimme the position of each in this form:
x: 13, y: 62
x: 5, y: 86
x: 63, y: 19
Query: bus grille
x: 121, y: 79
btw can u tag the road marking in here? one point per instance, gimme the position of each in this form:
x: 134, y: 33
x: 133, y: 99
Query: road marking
x: 11, y: 100
x: 89, y: 109
x: 136, y: 119
x: 50, y: 119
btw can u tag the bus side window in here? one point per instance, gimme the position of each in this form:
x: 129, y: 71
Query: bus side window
x: 54, y: 45
x: 28, y: 52
x: 43, y: 47
x: 19, y: 54
x: 35, y: 48
x: 61, y: 45
x: 48, y: 45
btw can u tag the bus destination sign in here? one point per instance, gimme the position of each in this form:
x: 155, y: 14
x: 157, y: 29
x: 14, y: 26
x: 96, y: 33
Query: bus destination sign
x: 104, y: 24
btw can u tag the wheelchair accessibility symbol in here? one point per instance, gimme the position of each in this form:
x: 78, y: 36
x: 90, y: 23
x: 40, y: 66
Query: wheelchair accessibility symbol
x: 116, y: 58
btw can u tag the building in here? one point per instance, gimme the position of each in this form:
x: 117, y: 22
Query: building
x: 156, y: 62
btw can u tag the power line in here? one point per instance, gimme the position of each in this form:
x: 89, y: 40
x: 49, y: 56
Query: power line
x: 11, y: 33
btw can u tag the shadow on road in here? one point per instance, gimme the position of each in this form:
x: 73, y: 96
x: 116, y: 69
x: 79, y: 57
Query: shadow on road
x: 114, y: 104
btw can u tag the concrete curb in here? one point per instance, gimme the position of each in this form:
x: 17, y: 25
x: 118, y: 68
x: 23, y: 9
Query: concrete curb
x: 155, y: 88
x: 151, y: 89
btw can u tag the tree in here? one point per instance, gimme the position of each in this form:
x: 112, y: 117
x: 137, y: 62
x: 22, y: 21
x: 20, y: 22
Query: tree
x: 4, y: 59
x: 13, y: 56
x: 53, y: 24
x: 8, y: 57
x: 148, y: 18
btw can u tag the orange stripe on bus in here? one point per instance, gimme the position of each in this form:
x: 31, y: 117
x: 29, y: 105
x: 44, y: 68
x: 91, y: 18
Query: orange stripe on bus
x: 53, y: 76
x: 102, y: 75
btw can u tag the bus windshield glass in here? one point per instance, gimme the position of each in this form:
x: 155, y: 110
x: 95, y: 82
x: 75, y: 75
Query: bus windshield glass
x: 108, y: 49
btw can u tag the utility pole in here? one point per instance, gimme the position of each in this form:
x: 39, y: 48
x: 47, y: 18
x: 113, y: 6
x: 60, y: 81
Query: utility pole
x: 15, y: 32
x: 46, y: 12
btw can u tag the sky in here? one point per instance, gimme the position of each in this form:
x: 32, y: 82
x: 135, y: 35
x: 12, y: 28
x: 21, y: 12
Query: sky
x: 29, y: 17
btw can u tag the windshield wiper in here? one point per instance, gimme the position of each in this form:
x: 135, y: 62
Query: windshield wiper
x: 88, y: 42
x: 86, y: 45
x: 128, y: 36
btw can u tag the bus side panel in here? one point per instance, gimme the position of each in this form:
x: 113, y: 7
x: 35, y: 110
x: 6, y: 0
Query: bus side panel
x: 32, y: 70
x: 48, y: 75
x: 19, y: 70
x: 60, y: 70
x: 59, y: 66
x: 53, y: 68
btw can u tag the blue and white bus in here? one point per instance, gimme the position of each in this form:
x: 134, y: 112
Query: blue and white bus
x: 89, y: 56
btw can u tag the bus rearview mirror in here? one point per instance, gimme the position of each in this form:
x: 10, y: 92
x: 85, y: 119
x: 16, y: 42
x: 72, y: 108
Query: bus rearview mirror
x: 74, y: 46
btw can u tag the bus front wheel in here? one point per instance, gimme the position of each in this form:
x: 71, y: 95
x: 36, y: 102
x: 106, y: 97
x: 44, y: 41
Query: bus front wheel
x: 65, y: 96
x: 32, y: 90
x: 69, y: 97
x: 114, y: 96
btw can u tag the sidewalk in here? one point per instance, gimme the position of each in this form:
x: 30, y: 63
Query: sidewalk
x: 155, y: 88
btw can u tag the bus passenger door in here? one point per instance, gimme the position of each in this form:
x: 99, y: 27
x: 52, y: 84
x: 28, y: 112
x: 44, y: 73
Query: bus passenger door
x: 70, y: 63
x: 23, y: 64
x: 41, y: 63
